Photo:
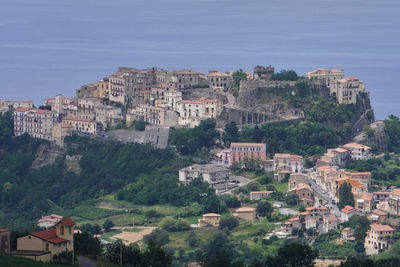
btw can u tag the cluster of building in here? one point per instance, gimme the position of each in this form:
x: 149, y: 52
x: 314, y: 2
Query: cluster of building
x: 345, y: 90
x: 342, y: 155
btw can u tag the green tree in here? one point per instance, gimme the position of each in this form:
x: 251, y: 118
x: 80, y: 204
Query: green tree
x: 158, y: 236
x: 285, y: 75
x: 292, y: 199
x: 294, y: 255
x: 231, y: 133
x: 238, y: 76
x: 140, y: 125
x: 193, y: 240
x: 228, y: 222
x: 86, y: 244
x: 108, y: 224
x: 346, y: 197
x: 155, y: 256
x: 264, y: 209
x: 392, y: 131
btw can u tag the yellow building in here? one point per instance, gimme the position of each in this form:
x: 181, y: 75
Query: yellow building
x: 378, y: 238
x: 209, y: 219
x: 246, y: 213
x: 82, y: 125
x: 43, y: 245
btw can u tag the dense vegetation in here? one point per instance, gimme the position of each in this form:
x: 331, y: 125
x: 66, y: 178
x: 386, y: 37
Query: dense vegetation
x: 150, y: 177
x: 306, y: 138
x: 392, y: 131
x: 383, y: 171
x: 190, y: 140
x: 285, y: 75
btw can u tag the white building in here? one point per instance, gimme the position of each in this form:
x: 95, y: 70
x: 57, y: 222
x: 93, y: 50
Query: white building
x: 358, y: 151
x: 37, y: 123
x: 346, y: 90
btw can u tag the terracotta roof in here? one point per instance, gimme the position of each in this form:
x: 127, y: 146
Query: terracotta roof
x: 144, y: 92
x: 349, y: 79
x: 49, y: 235
x: 396, y: 192
x: 379, y: 212
x: 281, y: 155
x: 340, y: 150
x: 356, y: 145
x: 4, y: 230
x: 67, y: 222
x: 348, y: 209
x: 381, y: 228
x: 245, y: 209
x: 218, y: 74
x: 211, y: 215
x: 76, y: 119
x: 22, y: 109
x: 247, y: 144
x: 294, y: 219
x: 331, y: 218
x: 162, y: 85
x: 316, y: 208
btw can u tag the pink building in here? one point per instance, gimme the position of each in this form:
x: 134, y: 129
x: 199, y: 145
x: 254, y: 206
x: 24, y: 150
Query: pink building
x: 240, y: 151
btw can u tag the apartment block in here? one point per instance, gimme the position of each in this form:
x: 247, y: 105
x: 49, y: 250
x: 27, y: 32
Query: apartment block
x: 191, y: 112
x: 16, y: 104
x: 82, y: 125
x: 219, y: 81
x: 37, y: 123
x: 327, y: 76
x: 292, y: 163
x: 346, y: 90
x: 185, y: 79
x: 378, y: 238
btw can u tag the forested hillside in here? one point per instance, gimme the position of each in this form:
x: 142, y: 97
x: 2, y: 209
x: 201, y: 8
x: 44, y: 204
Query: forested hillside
x: 106, y: 166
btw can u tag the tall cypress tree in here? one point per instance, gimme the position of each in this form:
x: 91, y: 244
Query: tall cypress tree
x: 346, y: 197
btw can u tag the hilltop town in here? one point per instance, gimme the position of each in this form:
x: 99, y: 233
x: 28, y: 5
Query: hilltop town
x: 261, y: 158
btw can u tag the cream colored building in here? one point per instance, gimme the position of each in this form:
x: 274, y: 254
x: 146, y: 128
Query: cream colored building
x: 293, y: 163
x: 65, y: 106
x: 37, y: 123
x: 327, y: 76
x: 102, y: 90
x: 187, y: 78
x: 16, y: 104
x: 378, y: 238
x: 346, y: 90
x: 246, y: 213
x: 172, y: 99
x: 43, y: 245
x: 82, y: 125
x: 209, y: 219
x: 108, y: 116
x: 219, y: 81
x: 358, y: 151
x: 60, y: 131
x: 191, y: 112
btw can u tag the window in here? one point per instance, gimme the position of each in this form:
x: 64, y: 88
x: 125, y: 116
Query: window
x: 47, y: 246
x: 62, y: 230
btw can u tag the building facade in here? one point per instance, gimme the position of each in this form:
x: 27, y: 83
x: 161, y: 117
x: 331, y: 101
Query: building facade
x: 38, y: 123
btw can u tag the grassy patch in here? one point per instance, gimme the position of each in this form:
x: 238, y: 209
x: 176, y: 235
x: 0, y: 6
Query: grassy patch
x: 107, y: 236
x: 11, y: 261
x: 89, y: 212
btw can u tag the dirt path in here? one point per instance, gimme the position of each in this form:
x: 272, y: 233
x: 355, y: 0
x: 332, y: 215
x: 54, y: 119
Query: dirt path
x: 132, y: 237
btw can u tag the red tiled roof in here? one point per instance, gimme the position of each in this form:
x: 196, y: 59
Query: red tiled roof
x: 4, y: 230
x: 49, y: 235
x: 218, y: 74
x: 282, y: 155
x: 211, y: 215
x: 379, y: 212
x: 22, y: 109
x: 67, y: 222
x: 245, y: 209
x: 381, y: 228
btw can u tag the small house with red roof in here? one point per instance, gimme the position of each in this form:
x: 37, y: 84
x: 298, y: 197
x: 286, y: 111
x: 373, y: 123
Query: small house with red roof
x: 43, y: 245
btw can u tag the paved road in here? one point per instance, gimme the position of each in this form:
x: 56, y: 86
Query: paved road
x: 316, y: 188
x: 86, y: 262
x: 287, y: 211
